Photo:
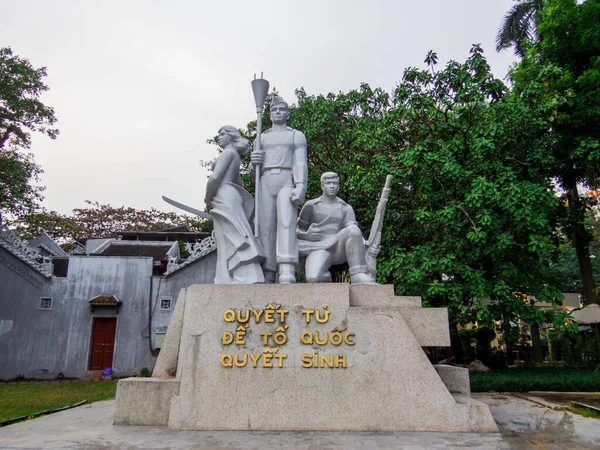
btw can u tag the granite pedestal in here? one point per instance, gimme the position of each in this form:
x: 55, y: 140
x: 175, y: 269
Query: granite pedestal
x: 372, y: 376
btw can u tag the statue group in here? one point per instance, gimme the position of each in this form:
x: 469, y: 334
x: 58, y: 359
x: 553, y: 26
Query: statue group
x: 323, y: 234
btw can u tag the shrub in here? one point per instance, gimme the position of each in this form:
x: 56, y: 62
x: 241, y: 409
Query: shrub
x: 536, y: 379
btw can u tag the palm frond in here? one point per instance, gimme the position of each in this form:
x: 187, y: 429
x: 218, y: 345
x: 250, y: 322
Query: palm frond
x: 517, y: 25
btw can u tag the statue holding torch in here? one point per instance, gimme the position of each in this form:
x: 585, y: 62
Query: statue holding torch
x: 281, y: 170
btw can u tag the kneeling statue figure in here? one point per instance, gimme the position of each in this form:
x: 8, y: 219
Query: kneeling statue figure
x: 329, y: 234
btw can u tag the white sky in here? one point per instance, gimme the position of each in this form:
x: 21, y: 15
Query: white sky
x: 138, y: 86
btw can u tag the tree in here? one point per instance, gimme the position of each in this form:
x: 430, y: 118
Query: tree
x: 21, y: 113
x: 475, y: 215
x: 518, y: 26
x: 17, y: 193
x: 100, y: 221
x: 344, y: 130
x: 562, y: 72
x: 472, y: 213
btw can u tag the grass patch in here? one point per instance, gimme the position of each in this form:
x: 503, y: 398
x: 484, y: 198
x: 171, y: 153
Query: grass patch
x: 585, y: 412
x: 536, y: 379
x: 24, y: 399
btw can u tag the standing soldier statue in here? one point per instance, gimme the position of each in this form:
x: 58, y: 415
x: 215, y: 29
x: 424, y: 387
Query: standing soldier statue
x: 281, y: 163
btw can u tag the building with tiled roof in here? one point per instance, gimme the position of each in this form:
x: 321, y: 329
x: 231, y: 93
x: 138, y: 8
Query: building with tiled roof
x: 107, y: 304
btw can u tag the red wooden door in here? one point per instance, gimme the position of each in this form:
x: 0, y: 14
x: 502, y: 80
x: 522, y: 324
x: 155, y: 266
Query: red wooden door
x: 103, y: 343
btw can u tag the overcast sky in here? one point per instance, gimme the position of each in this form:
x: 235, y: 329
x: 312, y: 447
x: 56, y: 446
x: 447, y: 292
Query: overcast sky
x: 139, y: 86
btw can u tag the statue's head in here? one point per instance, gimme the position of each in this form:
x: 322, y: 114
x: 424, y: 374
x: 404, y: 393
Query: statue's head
x: 280, y: 110
x: 230, y: 135
x: 330, y: 183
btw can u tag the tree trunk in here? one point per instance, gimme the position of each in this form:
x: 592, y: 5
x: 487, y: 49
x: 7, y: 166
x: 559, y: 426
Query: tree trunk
x: 536, y: 343
x: 581, y: 242
x: 508, y: 340
x: 582, y: 248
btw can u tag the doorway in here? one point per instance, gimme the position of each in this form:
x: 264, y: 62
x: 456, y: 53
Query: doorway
x: 103, y: 343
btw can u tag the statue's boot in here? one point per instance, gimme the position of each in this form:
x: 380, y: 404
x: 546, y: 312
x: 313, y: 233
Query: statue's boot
x: 362, y: 278
x: 287, y: 274
x: 270, y: 276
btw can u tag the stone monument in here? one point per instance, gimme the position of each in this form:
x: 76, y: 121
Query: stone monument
x: 328, y: 233
x: 281, y: 161
x: 311, y: 356
x: 239, y: 255
x: 327, y: 356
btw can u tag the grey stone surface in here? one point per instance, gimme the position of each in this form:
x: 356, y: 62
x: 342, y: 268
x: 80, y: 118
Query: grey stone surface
x: 144, y: 401
x: 405, y: 301
x: 478, y: 366
x: 328, y: 234
x: 428, y: 325
x: 389, y: 384
x: 523, y: 425
x: 166, y: 364
x: 456, y: 379
x: 381, y: 295
x: 200, y: 271
x: 371, y: 295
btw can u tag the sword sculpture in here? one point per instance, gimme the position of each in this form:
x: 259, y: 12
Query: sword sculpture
x: 376, y: 227
x: 260, y: 88
x: 189, y: 209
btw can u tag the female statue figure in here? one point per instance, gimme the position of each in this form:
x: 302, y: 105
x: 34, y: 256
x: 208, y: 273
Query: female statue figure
x: 239, y: 255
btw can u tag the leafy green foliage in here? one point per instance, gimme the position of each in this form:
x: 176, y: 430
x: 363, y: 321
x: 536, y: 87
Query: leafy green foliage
x: 344, y: 132
x: 473, y: 216
x: 21, y: 113
x: 17, y: 193
x: 560, y: 78
x: 536, y: 379
x: 565, y: 271
x: 472, y: 213
x: 518, y: 26
x: 100, y: 221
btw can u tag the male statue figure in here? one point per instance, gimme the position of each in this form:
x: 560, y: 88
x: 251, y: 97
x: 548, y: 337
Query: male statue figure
x: 284, y: 175
x: 329, y: 234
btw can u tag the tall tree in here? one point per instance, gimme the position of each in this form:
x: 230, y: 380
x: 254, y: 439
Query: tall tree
x: 562, y: 71
x: 518, y: 26
x: 100, y: 221
x: 21, y: 113
x: 472, y: 213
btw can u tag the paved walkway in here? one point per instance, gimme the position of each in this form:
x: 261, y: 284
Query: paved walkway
x: 523, y: 425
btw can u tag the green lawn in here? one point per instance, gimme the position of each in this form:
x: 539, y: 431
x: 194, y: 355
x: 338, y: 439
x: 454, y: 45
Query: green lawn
x: 536, y: 379
x: 585, y: 412
x: 24, y: 399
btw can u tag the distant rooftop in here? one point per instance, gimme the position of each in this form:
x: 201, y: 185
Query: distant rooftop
x: 157, y: 250
x: 162, y: 235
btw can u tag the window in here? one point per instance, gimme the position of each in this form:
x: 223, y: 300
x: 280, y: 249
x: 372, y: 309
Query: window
x: 159, y: 339
x: 165, y: 304
x: 45, y: 303
x: 61, y: 267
